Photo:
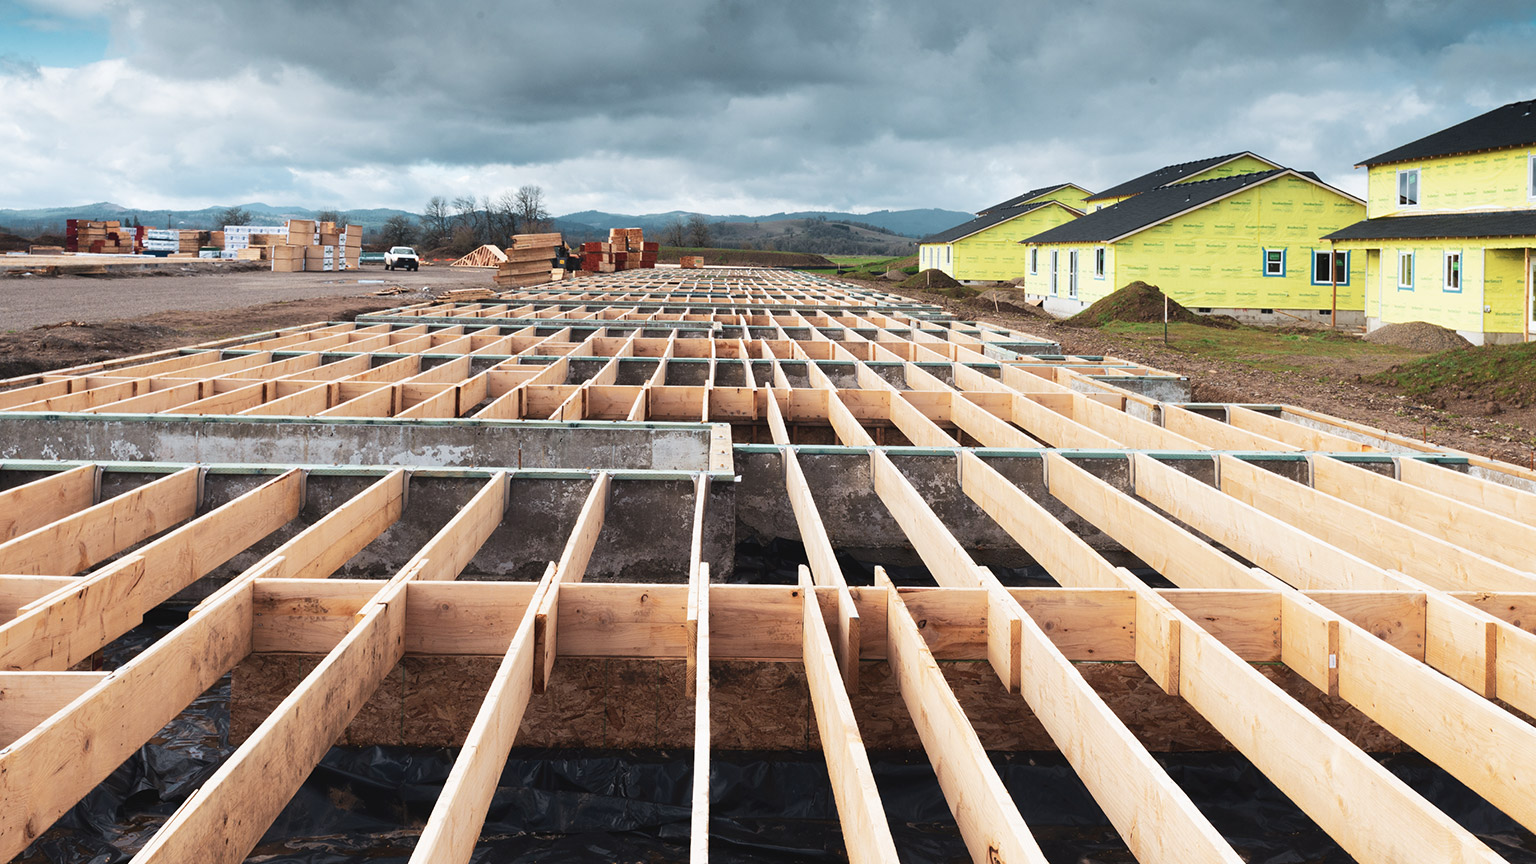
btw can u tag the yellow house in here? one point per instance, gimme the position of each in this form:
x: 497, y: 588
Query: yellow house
x: 1451, y: 222
x: 1244, y: 245
x: 1185, y: 172
x: 987, y: 247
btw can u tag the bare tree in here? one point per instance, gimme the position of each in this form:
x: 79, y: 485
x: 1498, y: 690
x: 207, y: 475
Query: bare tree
x: 231, y: 216
x: 435, y: 221
x: 675, y: 233
x: 398, y: 230
x: 531, y: 214
x: 698, y: 231
x: 331, y: 215
x: 503, y: 217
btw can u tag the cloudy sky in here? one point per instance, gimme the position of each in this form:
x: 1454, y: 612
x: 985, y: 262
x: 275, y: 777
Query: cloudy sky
x: 722, y: 107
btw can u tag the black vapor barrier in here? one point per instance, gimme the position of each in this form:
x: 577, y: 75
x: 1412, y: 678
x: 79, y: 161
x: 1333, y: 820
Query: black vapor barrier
x: 634, y: 805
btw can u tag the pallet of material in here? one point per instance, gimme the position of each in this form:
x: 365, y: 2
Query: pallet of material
x: 691, y: 262
x: 488, y: 255
x: 626, y: 249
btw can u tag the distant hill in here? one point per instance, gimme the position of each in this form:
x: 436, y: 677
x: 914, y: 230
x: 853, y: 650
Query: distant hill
x: 577, y: 227
x: 909, y: 223
x: 50, y: 220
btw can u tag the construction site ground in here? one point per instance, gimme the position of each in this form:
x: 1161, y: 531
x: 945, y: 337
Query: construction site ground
x: 121, y: 315
x: 1313, y: 369
x: 52, y: 322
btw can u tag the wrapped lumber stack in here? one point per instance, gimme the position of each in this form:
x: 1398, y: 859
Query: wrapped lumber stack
x: 237, y: 237
x: 626, y: 249
x: 101, y: 238
x: 307, y: 245
x: 691, y: 262
x: 530, y: 261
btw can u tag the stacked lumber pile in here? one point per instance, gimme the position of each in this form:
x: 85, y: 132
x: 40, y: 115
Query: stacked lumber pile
x: 691, y: 262
x: 530, y: 260
x: 101, y: 238
x: 626, y: 249
x: 488, y: 255
x: 314, y: 246
x: 464, y: 295
x: 237, y: 237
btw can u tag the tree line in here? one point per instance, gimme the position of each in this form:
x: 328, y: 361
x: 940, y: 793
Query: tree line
x: 466, y: 222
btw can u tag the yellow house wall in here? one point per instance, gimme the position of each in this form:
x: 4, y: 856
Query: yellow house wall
x: 1493, y: 277
x: 995, y: 254
x: 1068, y: 195
x: 936, y: 256
x: 1499, y: 179
x: 1214, y: 257
x: 1240, y: 165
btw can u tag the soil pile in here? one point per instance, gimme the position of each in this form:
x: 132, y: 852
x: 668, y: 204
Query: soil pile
x: 931, y: 280
x: 1419, y: 336
x: 1139, y: 303
x: 1010, y: 301
x: 13, y: 243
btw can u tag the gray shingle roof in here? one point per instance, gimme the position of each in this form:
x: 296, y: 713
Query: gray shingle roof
x: 1020, y: 199
x: 1513, y: 125
x: 981, y: 223
x: 1149, y: 208
x: 1168, y: 174
x: 1497, y: 223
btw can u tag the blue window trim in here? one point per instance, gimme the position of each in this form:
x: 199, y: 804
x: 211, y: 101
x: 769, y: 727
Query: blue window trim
x: 1413, y: 258
x: 1264, y: 264
x: 1461, y: 271
x: 1343, y: 276
x: 1100, y: 262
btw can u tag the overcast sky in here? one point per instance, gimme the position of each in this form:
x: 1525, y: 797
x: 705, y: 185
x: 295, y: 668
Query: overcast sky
x: 721, y: 107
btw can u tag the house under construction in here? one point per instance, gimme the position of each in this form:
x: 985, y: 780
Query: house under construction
x: 711, y: 512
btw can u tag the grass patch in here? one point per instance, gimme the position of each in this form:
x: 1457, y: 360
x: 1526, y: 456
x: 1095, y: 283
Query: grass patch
x: 1281, y: 351
x: 1503, y: 372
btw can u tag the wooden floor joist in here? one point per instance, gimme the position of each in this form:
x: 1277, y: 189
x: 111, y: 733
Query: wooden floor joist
x: 1395, y: 578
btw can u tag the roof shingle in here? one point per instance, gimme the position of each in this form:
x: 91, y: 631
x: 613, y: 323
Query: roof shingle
x: 1168, y: 174
x: 1148, y: 208
x: 1496, y: 223
x: 981, y: 223
x: 1513, y: 125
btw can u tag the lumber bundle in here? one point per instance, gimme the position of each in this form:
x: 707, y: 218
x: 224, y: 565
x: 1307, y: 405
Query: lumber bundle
x: 691, y: 262
x: 489, y: 255
x: 626, y: 249
x: 530, y: 260
x: 101, y: 238
x: 311, y: 246
x: 464, y: 295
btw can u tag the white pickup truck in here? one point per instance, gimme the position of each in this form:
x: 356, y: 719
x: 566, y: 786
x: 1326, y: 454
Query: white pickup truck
x: 401, y: 257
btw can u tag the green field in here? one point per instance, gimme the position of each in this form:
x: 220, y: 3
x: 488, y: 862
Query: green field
x: 1321, y: 353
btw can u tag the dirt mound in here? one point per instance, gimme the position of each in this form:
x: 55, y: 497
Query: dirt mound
x: 13, y: 243
x: 1139, y: 302
x: 1010, y: 301
x: 1419, y: 336
x: 931, y: 280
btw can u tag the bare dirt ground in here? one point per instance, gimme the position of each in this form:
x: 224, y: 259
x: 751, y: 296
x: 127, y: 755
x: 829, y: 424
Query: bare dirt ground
x: 31, y: 301
x: 1332, y: 384
x: 53, y: 322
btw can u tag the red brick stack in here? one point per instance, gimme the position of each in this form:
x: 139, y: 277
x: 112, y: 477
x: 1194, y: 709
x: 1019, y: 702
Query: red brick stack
x: 626, y: 249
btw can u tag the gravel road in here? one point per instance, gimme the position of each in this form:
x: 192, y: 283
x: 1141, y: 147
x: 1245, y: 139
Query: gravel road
x: 31, y: 301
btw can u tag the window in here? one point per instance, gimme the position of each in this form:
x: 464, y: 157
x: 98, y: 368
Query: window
x: 1408, y: 188
x: 1452, y: 281
x: 947, y: 251
x: 1405, y: 271
x: 1098, y: 263
x: 1034, y: 261
x: 1325, y: 266
x: 1274, y: 262
x: 1072, y: 273
x: 1055, y: 259
x: 1531, y: 176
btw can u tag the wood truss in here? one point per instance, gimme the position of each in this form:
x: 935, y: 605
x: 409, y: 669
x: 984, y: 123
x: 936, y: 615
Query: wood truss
x: 489, y: 255
x: 1387, y: 574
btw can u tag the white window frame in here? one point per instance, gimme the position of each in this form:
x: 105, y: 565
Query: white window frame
x: 1340, y: 264
x: 1405, y: 255
x: 1034, y: 260
x: 1072, y: 274
x: 1100, y: 256
x: 1446, y: 271
x: 1265, y: 264
x: 1418, y: 187
x: 1530, y: 176
x: 1055, y: 268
